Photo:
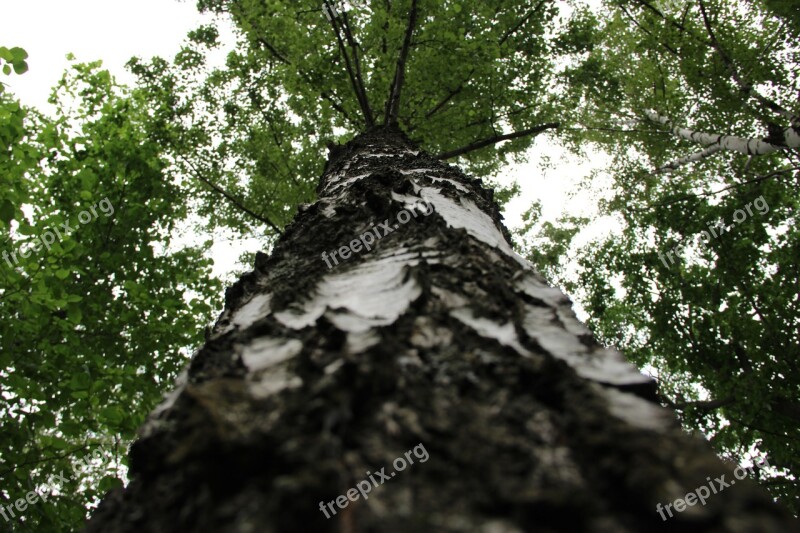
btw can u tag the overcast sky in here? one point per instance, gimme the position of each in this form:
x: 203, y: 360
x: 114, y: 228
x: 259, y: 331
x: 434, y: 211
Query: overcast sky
x: 111, y: 30
x: 114, y: 31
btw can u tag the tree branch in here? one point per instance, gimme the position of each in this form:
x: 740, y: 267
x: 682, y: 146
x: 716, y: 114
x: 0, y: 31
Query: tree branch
x: 225, y: 194
x: 352, y: 42
x: 364, y: 106
x: 709, y: 405
x: 655, y: 10
x: 496, y: 139
x: 449, y: 96
x: 337, y: 106
x: 393, y: 104
x: 618, y: 130
x: 283, y: 59
x: 45, y: 460
x: 517, y: 26
x: 714, y: 193
x: 744, y: 87
x: 778, y: 140
x: 280, y: 57
x: 691, y: 158
x: 648, y: 32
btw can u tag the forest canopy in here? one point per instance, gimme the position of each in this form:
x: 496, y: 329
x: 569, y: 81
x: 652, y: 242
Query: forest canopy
x: 694, y: 102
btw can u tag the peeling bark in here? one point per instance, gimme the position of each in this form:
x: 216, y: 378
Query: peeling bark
x: 440, y: 335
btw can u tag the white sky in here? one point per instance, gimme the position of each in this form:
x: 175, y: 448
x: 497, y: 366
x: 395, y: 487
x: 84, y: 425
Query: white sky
x: 111, y: 30
x: 114, y: 31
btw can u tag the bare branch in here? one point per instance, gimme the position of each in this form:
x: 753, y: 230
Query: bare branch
x: 477, y: 145
x: 393, y: 104
x: 352, y: 42
x: 233, y: 200
x: 359, y: 96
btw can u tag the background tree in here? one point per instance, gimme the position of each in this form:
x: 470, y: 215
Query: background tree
x: 718, y: 324
x: 97, y: 324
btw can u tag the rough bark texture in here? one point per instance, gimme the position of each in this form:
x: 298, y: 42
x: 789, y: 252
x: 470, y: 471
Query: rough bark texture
x: 440, y: 335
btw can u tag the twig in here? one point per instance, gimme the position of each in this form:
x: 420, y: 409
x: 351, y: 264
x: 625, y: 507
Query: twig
x: 701, y: 405
x: 714, y: 193
x: 449, y: 96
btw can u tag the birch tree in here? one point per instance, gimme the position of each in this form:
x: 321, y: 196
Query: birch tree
x: 392, y: 317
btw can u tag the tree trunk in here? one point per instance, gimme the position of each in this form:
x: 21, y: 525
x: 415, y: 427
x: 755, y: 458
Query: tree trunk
x: 432, y: 382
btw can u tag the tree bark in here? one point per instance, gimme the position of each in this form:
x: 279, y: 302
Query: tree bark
x: 441, y: 339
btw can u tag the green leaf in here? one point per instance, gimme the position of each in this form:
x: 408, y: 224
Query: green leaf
x: 80, y: 381
x: 7, y: 211
x: 18, y: 54
x: 20, y: 67
x: 27, y: 229
x: 108, y: 483
x: 113, y: 414
x: 74, y: 313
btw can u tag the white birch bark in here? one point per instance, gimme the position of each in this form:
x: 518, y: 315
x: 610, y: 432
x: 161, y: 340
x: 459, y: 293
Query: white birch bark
x: 743, y: 145
x: 438, y: 334
x: 691, y: 158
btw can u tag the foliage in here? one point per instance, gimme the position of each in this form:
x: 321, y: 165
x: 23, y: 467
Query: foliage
x: 287, y: 76
x: 94, y: 327
x: 13, y: 60
x: 719, y: 326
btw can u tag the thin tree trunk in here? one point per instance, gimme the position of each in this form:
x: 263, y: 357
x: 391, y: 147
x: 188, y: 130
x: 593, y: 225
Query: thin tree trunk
x: 781, y: 138
x: 438, y: 345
